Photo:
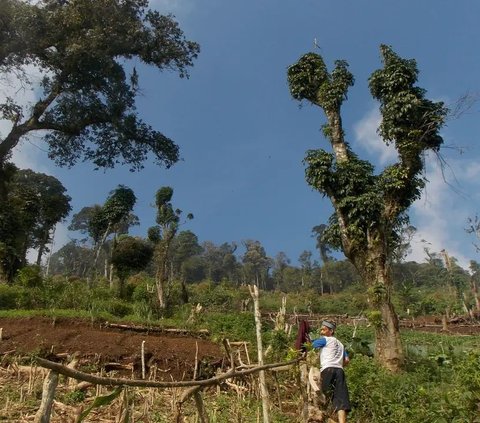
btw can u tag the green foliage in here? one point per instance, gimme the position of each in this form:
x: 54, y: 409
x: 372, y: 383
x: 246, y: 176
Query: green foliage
x: 220, y: 297
x: 234, y: 326
x: 409, y: 120
x: 375, y: 318
x: 31, y: 204
x: 428, y: 392
x: 131, y: 254
x: 30, y: 276
x: 115, y: 307
x: 74, y: 397
x: 308, y: 79
x: 106, y: 219
x: 10, y: 296
x: 100, y: 401
x: 307, y: 76
x: 368, y: 203
x: 227, y: 408
x: 279, y: 342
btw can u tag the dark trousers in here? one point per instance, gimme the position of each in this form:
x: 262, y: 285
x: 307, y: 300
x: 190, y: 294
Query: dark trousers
x: 335, y: 385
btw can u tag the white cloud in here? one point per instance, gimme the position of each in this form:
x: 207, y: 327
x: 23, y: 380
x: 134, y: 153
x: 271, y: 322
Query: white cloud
x: 440, y: 215
x: 367, y: 137
x: 472, y: 170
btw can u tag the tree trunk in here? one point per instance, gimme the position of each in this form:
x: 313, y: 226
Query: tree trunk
x: 184, y: 290
x: 160, y: 284
x: 474, y: 288
x: 338, y: 143
x: 98, y: 248
x: 388, y: 346
x: 162, y: 267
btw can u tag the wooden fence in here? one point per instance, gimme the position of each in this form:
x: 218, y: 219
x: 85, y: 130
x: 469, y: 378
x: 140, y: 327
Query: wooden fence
x: 193, y: 388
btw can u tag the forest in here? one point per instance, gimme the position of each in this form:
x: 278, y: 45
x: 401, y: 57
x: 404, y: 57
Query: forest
x: 229, y: 308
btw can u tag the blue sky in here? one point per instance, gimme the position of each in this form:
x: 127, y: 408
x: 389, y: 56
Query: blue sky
x: 243, y: 138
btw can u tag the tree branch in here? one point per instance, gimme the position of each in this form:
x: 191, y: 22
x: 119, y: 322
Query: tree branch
x: 97, y: 380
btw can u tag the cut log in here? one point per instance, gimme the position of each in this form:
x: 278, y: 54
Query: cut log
x: 153, y: 329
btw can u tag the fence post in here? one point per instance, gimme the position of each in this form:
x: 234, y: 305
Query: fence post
x: 261, y: 374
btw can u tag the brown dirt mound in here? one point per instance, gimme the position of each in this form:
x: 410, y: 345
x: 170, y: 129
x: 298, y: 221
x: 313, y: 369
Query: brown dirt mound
x: 173, y: 355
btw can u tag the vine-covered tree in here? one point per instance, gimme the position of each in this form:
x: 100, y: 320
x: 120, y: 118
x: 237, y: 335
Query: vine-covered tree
x: 370, y: 207
x: 86, y: 104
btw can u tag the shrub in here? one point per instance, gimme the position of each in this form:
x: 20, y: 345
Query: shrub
x: 10, y: 296
x: 235, y: 326
x: 30, y: 276
x: 430, y: 392
x: 221, y: 297
x: 114, y: 306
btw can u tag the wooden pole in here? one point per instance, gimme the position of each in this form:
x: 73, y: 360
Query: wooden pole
x: 261, y: 374
x: 143, y: 359
x: 49, y: 385
x: 202, y: 412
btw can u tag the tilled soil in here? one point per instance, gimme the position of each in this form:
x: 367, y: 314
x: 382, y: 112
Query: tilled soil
x: 174, y: 356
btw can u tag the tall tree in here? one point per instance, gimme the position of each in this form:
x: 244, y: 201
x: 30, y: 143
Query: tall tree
x: 369, y: 207
x: 280, y: 264
x: 111, y: 217
x: 162, y: 235
x: 81, y: 222
x: 33, y: 204
x: 256, y: 263
x: 73, y: 259
x: 130, y: 254
x: 220, y: 261
x: 86, y: 105
x: 12, y: 227
x: 52, y: 205
x: 185, y: 246
x: 305, y: 260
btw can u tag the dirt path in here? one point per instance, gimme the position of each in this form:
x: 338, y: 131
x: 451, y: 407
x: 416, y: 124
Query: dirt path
x: 173, y: 355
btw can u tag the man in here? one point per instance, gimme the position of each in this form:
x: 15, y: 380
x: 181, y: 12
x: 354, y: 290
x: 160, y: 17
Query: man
x: 333, y: 357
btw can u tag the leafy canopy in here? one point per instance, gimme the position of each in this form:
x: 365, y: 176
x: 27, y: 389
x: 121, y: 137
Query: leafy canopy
x: 87, y: 98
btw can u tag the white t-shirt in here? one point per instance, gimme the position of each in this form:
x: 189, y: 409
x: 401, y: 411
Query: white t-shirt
x: 332, y: 354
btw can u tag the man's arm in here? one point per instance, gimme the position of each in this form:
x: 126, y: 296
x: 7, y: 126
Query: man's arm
x: 319, y: 343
